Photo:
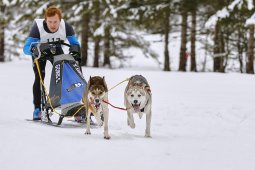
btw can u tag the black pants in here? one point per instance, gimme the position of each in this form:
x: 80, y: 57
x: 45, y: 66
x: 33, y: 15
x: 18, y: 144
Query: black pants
x: 36, y: 85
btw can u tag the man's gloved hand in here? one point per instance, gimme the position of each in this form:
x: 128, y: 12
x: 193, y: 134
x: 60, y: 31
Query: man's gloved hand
x: 44, y: 49
x: 75, y: 51
x: 34, y: 51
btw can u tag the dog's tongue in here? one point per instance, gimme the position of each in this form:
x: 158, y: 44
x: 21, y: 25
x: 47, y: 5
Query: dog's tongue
x: 136, y: 108
x: 97, y: 105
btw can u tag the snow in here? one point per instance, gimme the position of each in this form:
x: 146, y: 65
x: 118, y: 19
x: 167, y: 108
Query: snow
x: 99, y: 30
x: 8, y: 2
x: 200, y: 121
x: 226, y: 11
x: 250, y: 4
x: 250, y: 21
x: 40, y: 10
x: 213, y: 19
x: 235, y: 3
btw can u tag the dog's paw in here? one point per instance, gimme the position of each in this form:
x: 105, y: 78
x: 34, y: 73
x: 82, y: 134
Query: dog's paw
x: 87, y: 132
x: 100, y: 123
x: 147, y: 133
x: 107, y: 137
x: 147, y: 136
x: 132, y: 125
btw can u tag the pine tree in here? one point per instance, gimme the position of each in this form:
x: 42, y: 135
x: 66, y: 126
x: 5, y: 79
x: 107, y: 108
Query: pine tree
x: 193, y: 9
x: 183, y: 48
x: 2, y: 31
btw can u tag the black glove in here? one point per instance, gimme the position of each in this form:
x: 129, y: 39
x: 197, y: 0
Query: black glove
x: 75, y: 51
x: 44, y: 49
x: 34, y: 51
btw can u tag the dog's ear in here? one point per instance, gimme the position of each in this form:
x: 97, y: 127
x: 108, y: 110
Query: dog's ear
x: 105, y: 86
x: 87, y: 85
x: 148, y: 89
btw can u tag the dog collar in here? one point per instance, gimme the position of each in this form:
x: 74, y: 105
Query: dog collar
x: 142, y: 110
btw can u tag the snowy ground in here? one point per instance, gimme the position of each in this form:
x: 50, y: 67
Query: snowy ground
x: 201, y: 121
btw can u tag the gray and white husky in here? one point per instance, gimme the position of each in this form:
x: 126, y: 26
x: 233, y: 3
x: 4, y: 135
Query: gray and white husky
x: 137, y: 99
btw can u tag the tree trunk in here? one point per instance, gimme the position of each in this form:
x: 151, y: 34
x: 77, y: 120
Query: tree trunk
x: 107, y: 48
x: 85, y: 38
x: 166, y: 52
x: 219, y: 50
x: 222, y: 51
x: 193, y: 42
x: 183, y: 57
x: 240, y: 50
x: 2, y: 43
x: 249, y: 64
x: 206, y: 51
x: 97, y: 38
x: 96, y: 51
x: 2, y: 27
x: 216, y: 50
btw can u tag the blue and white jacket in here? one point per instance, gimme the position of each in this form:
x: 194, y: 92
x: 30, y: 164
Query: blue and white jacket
x: 41, y: 33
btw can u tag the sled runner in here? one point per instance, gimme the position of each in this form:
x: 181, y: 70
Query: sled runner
x: 66, y: 124
x: 66, y: 85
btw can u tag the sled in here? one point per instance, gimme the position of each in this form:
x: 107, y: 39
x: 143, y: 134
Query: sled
x: 66, y: 86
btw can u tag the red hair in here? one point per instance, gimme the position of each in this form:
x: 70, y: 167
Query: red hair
x: 52, y: 11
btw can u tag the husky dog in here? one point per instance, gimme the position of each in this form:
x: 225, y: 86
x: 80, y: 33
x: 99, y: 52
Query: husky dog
x: 96, y: 91
x: 137, y: 99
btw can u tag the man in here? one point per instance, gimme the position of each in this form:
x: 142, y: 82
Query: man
x: 51, y: 28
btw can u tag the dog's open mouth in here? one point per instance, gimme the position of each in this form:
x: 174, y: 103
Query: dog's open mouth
x: 93, y: 102
x: 136, y: 107
x: 97, y: 105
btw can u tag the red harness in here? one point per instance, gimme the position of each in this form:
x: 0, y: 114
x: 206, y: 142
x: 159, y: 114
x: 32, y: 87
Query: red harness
x: 93, y: 103
x: 114, y: 106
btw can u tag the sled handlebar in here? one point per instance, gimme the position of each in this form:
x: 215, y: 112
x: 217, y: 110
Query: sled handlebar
x: 54, y: 42
x: 49, y: 44
x: 59, y: 43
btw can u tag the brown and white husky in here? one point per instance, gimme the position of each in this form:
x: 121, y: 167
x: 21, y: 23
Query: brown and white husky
x: 96, y: 91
